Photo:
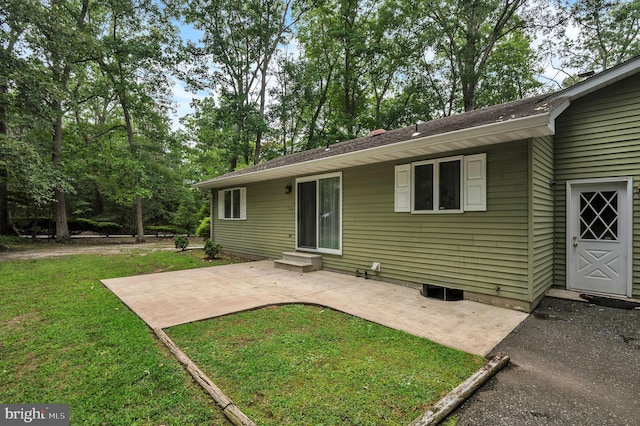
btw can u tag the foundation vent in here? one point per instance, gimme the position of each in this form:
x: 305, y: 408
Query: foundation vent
x: 442, y: 293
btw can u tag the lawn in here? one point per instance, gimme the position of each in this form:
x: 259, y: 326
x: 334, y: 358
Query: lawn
x: 65, y: 338
x: 308, y: 365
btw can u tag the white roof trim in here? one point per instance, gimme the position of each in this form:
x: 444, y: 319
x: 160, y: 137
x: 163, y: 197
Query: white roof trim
x: 600, y: 80
x: 553, y: 114
x: 488, y: 134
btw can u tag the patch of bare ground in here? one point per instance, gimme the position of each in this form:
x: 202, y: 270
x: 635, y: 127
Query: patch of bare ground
x: 45, y: 248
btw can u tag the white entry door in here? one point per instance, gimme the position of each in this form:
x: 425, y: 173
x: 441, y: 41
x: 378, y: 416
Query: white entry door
x: 599, y: 236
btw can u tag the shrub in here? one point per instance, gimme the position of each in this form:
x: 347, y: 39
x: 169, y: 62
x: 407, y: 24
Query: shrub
x: 101, y: 227
x: 35, y: 226
x: 81, y: 224
x: 212, y: 249
x: 165, y: 230
x: 204, y: 228
x: 108, y: 228
x: 187, y: 216
x: 182, y: 242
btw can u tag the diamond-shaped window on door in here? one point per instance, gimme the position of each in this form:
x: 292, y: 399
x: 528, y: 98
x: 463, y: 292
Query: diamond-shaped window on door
x: 599, y: 215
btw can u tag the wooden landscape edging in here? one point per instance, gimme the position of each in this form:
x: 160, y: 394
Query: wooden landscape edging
x: 229, y: 409
x: 446, y: 405
x: 435, y: 415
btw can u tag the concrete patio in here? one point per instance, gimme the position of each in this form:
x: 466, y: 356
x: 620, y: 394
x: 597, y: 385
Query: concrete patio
x: 172, y: 298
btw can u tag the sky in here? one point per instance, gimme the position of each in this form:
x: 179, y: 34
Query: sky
x: 181, y: 96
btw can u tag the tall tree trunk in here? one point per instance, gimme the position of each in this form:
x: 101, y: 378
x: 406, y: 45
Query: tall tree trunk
x: 98, y: 202
x: 5, y: 217
x: 469, y: 93
x: 129, y: 127
x: 348, y: 110
x: 323, y: 99
x: 263, y: 102
x: 139, y: 226
x: 6, y: 224
x: 62, y: 226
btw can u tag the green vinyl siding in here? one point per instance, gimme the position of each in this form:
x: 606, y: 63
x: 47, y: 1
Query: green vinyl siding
x: 474, y: 251
x: 270, y: 225
x: 484, y: 252
x: 598, y: 137
x: 542, y: 216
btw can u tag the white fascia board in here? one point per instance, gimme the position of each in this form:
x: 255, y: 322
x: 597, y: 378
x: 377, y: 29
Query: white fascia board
x: 488, y: 134
x: 555, y: 113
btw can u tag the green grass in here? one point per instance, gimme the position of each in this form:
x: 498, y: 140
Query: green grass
x: 307, y: 365
x: 65, y: 338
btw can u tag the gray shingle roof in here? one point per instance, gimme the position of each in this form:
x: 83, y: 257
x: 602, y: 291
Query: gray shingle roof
x: 490, y: 115
x: 484, y: 125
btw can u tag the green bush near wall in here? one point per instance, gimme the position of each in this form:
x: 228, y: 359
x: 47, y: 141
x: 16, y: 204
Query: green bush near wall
x: 204, y: 228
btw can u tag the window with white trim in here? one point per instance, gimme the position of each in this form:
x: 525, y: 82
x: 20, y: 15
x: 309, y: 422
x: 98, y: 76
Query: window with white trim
x: 436, y: 185
x: 232, y: 204
x: 444, y: 185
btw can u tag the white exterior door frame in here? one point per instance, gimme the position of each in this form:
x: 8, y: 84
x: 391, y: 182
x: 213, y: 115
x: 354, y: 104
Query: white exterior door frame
x: 600, y: 261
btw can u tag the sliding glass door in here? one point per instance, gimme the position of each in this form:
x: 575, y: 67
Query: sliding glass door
x: 307, y: 206
x: 319, y: 213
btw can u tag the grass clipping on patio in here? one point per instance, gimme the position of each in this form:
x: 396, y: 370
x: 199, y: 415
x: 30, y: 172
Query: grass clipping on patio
x: 298, y: 364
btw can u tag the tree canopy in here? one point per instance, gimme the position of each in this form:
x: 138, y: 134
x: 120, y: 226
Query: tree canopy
x: 86, y: 88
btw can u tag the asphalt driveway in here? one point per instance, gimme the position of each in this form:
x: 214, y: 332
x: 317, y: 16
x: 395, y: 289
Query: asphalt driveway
x: 572, y: 363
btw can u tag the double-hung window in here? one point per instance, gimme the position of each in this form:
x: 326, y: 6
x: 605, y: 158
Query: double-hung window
x: 232, y: 204
x: 437, y: 186
x: 444, y: 185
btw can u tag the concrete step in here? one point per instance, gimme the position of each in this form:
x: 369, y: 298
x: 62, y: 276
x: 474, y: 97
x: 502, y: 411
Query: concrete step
x: 299, y: 262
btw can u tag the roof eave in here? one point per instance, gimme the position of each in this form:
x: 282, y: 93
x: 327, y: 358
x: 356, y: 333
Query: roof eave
x: 488, y: 134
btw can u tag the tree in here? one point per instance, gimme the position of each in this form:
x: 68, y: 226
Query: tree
x: 83, y: 112
x: 188, y: 216
x: 236, y: 53
x: 608, y: 34
x: 313, y: 75
x: 61, y: 38
x: 214, y: 128
x: 465, y: 35
x: 288, y: 103
x: 395, y: 95
x: 132, y: 60
x: 333, y: 37
x: 13, y: 22
x: 28, y: 177
x: 509, y: 72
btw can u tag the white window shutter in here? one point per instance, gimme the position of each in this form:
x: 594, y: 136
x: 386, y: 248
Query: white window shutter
x: 402, y: 188
x: 221, y: 204
x: 475, y: 182
x: 243, y: 203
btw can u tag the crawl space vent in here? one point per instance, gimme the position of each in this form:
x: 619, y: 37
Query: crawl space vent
x: 442, y: 293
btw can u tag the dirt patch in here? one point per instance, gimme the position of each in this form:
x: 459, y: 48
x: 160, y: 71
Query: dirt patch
x: 40, y: 249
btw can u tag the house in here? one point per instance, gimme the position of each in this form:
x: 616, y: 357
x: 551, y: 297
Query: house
x: 497, y: 205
